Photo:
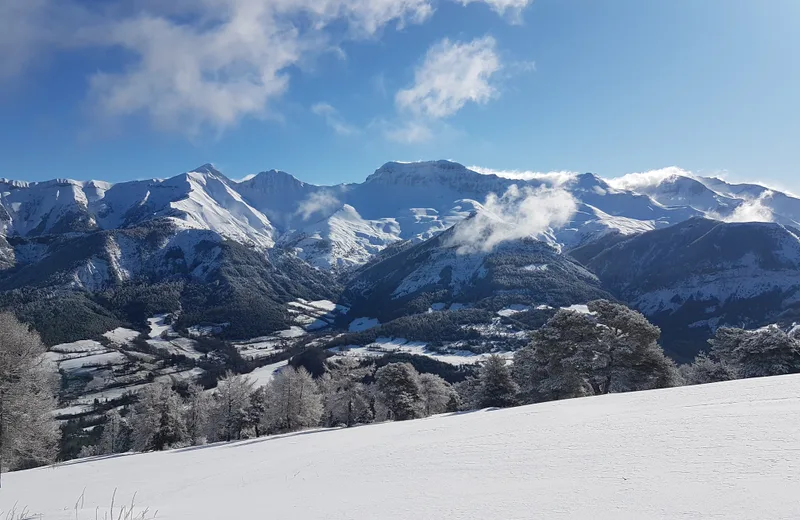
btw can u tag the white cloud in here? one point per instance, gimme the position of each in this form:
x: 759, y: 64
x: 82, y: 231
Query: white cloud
x: 518, y: 213
x: 649, y: 179
x: 319, y: 202
x: 554, y: 179
x: 333, y: 119
x: 753, y: 210
x: 452, y: 74
x: 196, y: 64
x: 511, y: 7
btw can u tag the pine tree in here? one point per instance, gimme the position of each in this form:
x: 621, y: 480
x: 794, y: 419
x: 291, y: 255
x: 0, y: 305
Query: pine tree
x: 613, y: 349
x: 704, y: 370
x: 28, y: 433
x: 157, y: 421
x: 437, y: 394
x: 229, y: 408
x: 764, y: 352
x: 293, y: 401
x: 496, y: 387
x: 399, y: 390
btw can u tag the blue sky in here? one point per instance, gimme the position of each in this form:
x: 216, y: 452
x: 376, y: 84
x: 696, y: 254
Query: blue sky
x: 331, y: 89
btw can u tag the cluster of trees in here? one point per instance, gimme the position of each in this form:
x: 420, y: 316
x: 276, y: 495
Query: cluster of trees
x: 610, y: 349
x: 346, y: 395
x: 738, y: 353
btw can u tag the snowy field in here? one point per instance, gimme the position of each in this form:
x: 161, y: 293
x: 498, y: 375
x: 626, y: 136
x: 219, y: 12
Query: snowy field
x: 722, y: 451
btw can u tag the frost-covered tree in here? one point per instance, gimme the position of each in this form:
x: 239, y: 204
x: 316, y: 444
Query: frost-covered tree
x: 613, y: 349
x: 28, y: 433
x: 256, y: 408
x: 437, y: 394
x: 293, y: 401
x: 116, y: 434
x: 157, y: 420
x: 496, y: 386
x: 529, y: 375
x: 765, y: 352
x: 704, y: 370
x: 228, y: 417
x: 399, y: 391
x: 345, y: 398
x: 197, y: 408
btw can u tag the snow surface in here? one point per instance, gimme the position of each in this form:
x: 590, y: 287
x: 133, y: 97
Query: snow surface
x: 158, y: 325
x: 263, y: 375
x: 360, y: 324
x: 121, y: 335
x: 727, y: 450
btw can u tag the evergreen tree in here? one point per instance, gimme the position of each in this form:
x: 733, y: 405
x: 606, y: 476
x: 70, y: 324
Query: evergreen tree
x: 293, y: 401
x: 28, y: 433
x: 613, y: 349
x: 764, y: 352
x: 706, y: 370
x: 157, y: 421
x: 399, y: 391
x: 496, y: 387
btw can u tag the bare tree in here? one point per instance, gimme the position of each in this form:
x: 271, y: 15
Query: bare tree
x: 293, y: 401
x: 345, y: 397
x: 196, y: 414
x: 229, y: 409
x: 28, y: 433
x: 437, y: 394
x: 157, y: 420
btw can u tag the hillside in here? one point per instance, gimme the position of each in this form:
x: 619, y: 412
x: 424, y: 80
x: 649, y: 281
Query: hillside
x: 727, y: 450
x: 695, y: 276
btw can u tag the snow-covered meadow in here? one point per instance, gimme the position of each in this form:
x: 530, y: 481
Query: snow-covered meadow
x: 726, y: 450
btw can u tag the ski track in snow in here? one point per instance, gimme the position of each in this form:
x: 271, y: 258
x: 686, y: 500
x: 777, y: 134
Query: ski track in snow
x: 729, y: 451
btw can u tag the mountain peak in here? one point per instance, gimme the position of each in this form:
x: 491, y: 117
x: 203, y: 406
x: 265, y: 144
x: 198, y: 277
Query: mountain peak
x: 207, y: 168
x: 396, y: 169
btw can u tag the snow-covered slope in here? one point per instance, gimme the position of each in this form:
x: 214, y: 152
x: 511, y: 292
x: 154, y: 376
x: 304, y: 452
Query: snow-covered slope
x: 525, y: 271
x: 727, y: 450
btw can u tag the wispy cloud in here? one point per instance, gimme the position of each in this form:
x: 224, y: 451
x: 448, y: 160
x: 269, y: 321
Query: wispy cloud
x: 511, y: 8
x: 518, y: 213
x: 451, y: 75
x: 555, y: 179
x: 318, y: 203
x: 649, y: 179
x: 333, y: 119
x: 195, y: 64
x: 751, y: 210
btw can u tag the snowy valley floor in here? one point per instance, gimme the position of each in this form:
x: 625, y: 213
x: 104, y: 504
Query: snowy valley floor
x: 725, y: 451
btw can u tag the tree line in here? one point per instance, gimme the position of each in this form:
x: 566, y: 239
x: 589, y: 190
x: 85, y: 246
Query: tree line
x: 610, y: 349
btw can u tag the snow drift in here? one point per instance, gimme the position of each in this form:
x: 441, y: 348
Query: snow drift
x: 727, y: 450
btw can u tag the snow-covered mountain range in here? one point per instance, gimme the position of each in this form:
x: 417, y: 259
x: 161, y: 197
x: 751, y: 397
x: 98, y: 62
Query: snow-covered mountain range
x: 285, y: 238
x: 339, y: 227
